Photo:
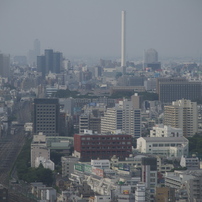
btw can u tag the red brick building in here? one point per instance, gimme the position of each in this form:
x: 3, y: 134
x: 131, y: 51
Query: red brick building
x: 102, y: 146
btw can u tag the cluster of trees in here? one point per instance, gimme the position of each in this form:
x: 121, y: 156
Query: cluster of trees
x: 195, y: 145
x: 74, y: 94
x: 29, y: 174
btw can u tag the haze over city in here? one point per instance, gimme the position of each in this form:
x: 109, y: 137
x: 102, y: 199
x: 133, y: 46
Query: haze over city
x: 93, y: 28
x: 100, y: 100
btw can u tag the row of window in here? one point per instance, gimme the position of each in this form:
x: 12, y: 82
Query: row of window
x: 166, y: 145
x: 105, y: 138
x: 114, y: 147
x: 109, y: 143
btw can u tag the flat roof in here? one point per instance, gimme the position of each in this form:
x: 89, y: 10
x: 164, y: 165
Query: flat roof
x: 165, y: 139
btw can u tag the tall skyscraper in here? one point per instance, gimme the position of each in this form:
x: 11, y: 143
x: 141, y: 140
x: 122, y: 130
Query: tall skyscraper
x: 46, y: 116
x: 57, y: 62
x: 32, y: 54
x: 41, y: 65
x: 123, y: 38
x: 182, y: 114
x: 150, y: 56
x: 4, y: 65
x: 151, y: 59
x: 49, y: 60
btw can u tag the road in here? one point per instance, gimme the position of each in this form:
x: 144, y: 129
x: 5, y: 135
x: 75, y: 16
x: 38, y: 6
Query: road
x: 10, y: 147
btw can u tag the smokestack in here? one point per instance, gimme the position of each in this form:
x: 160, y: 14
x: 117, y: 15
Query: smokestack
x: 123, y: 38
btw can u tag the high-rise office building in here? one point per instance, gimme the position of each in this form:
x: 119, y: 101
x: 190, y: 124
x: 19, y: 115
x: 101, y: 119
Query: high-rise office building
x: 151, y: 59
x: 4, y: 65
x: 174, y: 89
x: 41, y: 65
x: 150, y: 56
x: 46, y: 116
x: 49, y: 62
x: 57, y: 62
x: 182, y: 114
x: 32, y: 54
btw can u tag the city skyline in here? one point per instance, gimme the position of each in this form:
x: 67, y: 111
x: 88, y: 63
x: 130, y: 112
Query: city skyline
x: 93, y: 28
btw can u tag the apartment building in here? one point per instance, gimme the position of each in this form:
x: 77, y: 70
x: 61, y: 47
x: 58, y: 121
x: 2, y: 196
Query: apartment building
x: 182, y: 114
x: 123, y: 116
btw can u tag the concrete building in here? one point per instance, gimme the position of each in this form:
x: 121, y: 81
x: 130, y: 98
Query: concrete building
x: 137, y: 101
x: 68, y: 165
x: 190, y: 182
x: 123, y: 116
x: 150, y: 56
x: 171, y: 147
x: 89, y: 146
x: 165, y: 194
x: 98, y: 198
x: 46, y: 163
x: 149, y: 175
x: 172, y: 90
x: 150, y: 84
x: 169, y: 80
x: 89, y: 122
x: 103, y: 164
x: 41, y: 65
x: 190, y: 162
x: 161, y: 130
x: 182, y: 114
x: 39, y: 148
x: 151, y: 59
x: 140, y: 192
x: 49, y: 62
x: 46, y: 116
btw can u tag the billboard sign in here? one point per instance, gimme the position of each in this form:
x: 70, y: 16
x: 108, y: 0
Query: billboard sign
x: 87, y: 169
x: 97, y: 171
x: 79, y: 167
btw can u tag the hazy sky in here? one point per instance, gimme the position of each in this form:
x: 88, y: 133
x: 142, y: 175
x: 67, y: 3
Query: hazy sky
x: 93, y: 27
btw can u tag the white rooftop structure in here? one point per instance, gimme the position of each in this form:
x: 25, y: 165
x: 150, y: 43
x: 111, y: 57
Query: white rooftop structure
x: 173, y: 147
x: 161, y: 130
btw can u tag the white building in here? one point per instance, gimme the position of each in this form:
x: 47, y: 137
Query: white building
x: 182, y: 114
x: 161, y: 130
x: 46, y: 163
x: 191, y: 163
x: 140, y: 192
x: 100, y: 198
x: 164, y: 146
x: 49, y: 194
x: 124, y: 117
x: 104, y: 164
x: 28, y: 127
x: 39, y: 148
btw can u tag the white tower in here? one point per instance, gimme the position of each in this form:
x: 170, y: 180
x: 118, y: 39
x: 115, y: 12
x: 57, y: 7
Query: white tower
x: 123, y: 38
